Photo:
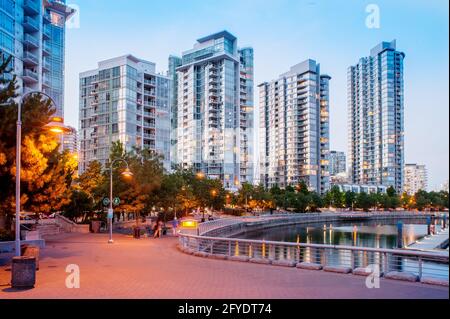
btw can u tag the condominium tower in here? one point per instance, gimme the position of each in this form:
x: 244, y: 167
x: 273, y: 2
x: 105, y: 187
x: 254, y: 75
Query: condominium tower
x: 294, y: 128
x: 123, y: 100
x: 337, y: 163
x: 33, y: 32
x: 376, y: 118
x: 416, y: 178
x: 70, y: 141
x: 214, y: 110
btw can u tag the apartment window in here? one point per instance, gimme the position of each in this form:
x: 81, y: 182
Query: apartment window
x: 6, y: 42
x: 8, y: 6
x: 6, y: 22
x: 57, y: 19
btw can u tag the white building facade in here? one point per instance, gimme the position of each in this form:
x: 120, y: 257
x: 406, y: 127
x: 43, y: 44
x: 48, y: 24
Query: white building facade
x: 294, y: 128
x: 123, y: 100
x: 376, y: 118
x: 70, y: 140
x: 214, y: 110
x: 338, y: 162
x: 416, y: 178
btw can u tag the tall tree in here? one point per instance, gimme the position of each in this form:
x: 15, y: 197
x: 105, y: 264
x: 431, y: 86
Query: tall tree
x: 46, y: 173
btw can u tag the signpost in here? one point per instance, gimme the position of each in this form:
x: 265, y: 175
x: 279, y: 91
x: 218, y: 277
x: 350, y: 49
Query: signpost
x: 106, y: 202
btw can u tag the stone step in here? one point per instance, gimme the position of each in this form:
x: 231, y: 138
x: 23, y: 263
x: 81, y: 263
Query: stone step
x: 49, y: 230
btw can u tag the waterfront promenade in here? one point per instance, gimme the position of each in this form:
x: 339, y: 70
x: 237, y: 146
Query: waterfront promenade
x: 149, y: 268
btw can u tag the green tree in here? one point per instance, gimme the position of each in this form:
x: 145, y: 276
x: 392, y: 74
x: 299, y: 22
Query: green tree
x: 363, y: 201
x: 46, y: 174
x: 391, y: 192
x: 335, y: 197
x: 80, y: 206
x: 245, y: 194
x: 422, y: 200
x: 349, y: 199
x: 316, y: 202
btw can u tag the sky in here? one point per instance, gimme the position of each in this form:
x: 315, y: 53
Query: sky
x: 284, y: 33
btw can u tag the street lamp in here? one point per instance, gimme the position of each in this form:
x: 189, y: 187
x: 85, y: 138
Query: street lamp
x: 200, y: 175
x: 55, y: 127
x: 213, y: 194
x: 126, y: 173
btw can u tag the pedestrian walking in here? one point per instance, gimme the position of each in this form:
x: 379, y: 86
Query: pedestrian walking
x: 156, y: 230
x: 174, y: 226
x: 160, y: 228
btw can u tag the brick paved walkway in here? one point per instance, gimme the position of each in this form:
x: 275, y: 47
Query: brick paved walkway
x: 149, y: 268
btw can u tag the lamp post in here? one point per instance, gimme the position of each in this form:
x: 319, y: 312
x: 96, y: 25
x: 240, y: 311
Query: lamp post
x: 126, y: 173
x: 56, y: 126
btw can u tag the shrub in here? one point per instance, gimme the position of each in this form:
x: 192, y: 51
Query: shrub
x: 6, y: 235
x: 234, y: 211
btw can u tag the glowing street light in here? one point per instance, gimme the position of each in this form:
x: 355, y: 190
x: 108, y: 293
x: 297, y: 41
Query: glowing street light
x: 200, y: 175
x: 126, y: 173
x: 54, y: 127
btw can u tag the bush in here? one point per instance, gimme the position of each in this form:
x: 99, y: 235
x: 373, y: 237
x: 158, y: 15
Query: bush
x: 6, y: 235
x: 234, y: 211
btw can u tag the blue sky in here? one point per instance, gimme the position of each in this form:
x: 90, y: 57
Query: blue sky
x: 283, y: 33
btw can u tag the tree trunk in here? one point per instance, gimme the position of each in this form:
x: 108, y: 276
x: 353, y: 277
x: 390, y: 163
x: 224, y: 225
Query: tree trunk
x: 2, y: 221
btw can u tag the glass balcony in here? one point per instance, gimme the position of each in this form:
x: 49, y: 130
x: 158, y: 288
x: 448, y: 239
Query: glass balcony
x: 46, y: 66
x: 30, y: 58
x: 30, y: 24
x: 31, y: 41
x: 30, y: 76
x: 46, y: 49
x: 150, y: 82
x: 47, y: 32
x: 46, y: 81
x: 31, y: 7
x: 47, y: 18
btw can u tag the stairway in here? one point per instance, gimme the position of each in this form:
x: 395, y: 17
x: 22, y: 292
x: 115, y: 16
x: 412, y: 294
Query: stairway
x: 49, y: 229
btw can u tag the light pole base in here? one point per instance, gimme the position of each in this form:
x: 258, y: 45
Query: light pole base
x: 110, y: 241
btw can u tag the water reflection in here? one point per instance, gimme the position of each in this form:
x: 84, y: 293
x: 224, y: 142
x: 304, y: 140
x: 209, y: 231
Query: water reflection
x: 379, y: 234
x: 375, y: 234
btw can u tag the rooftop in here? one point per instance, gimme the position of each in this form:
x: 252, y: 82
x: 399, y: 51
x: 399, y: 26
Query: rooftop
x: 218, y: 35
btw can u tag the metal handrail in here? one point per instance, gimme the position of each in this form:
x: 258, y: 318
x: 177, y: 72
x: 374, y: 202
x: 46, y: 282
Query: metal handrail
x: 409, y: 252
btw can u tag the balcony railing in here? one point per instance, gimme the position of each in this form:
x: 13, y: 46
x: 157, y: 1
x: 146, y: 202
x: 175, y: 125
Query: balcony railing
x: 30, y: 24
x: 30, y: 58
x: 30, y: 76
x: 46, y: 48
x: 31, y: 7
x: 47, y: 33
x: 46, y: 64
x: 31, y: 40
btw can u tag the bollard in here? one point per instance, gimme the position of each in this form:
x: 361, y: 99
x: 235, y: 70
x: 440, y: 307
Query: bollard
x: 429, y: 225
x: 400, y: 234
x: 23, y: 272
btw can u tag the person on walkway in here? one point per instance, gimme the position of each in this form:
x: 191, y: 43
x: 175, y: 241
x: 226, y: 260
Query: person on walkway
x: 174, y: 226
x: 160, y: 228
x: 156, y: 230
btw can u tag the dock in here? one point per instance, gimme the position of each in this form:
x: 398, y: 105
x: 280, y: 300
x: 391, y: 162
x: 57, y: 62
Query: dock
x: 432, y: 242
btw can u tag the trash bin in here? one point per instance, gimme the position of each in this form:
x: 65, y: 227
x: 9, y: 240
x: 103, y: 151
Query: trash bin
x: 23, y: 272
x: 137, y: 232
x: 31, y: 251
x: 96, y: 225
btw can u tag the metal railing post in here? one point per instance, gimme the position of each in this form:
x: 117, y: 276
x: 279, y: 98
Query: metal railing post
x: 420, y: 268
x: 317, y: 253
x: 386, y: 263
